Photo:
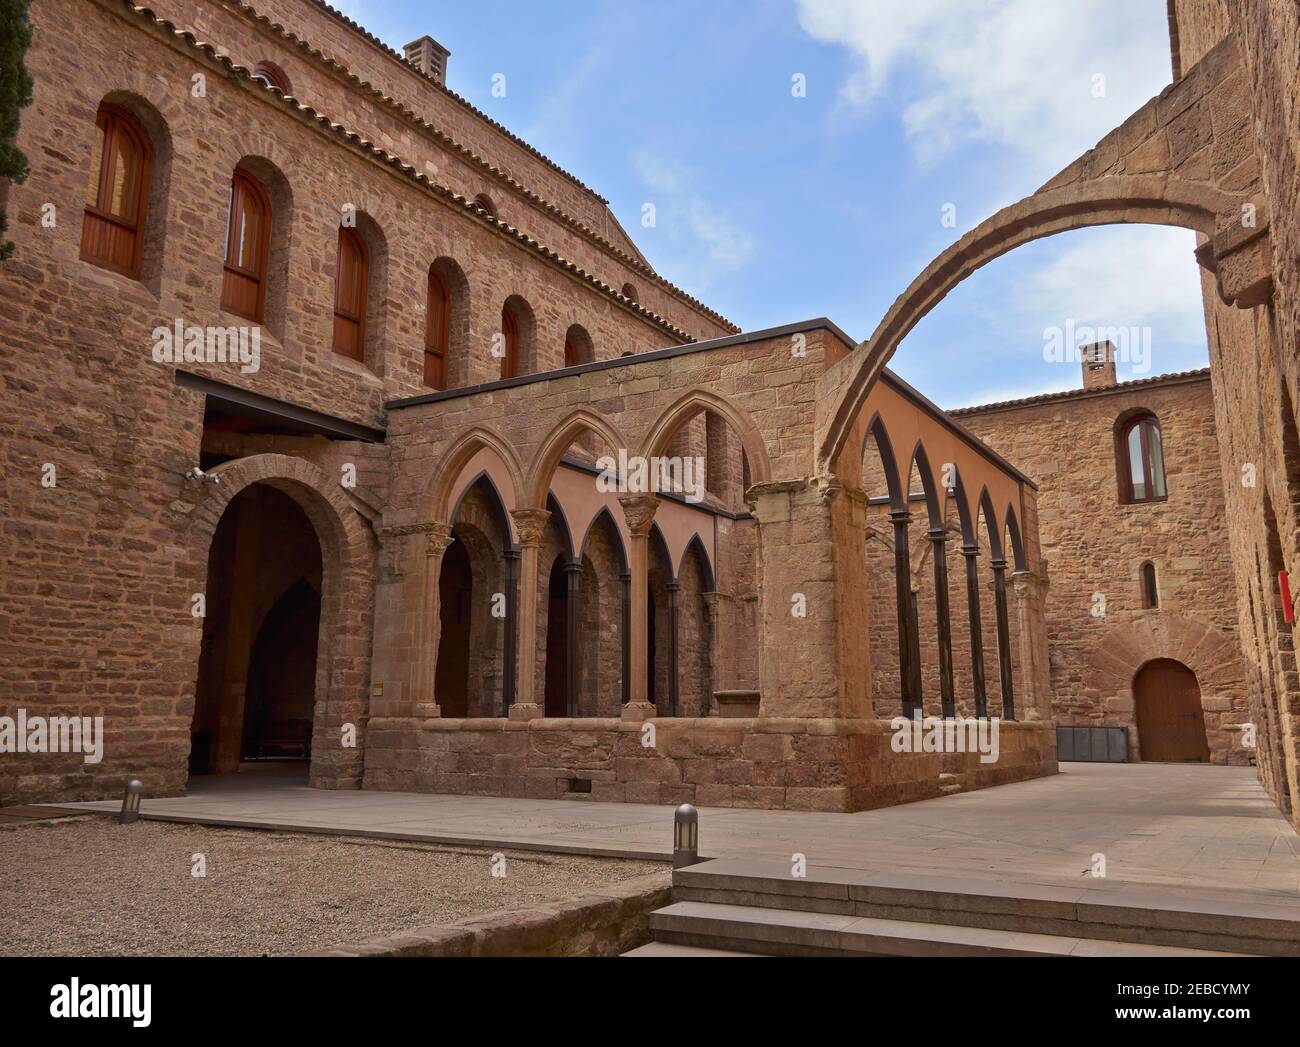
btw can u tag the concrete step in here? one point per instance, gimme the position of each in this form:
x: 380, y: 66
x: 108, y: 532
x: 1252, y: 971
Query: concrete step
x: 665, y: 949
x: 1258, y: 924
x: 792, y: 932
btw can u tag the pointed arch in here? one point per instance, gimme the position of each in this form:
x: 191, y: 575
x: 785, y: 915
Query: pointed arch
x: 619, y: 545
x: 561, y: 438
x: 991, y: 524
x: 496, y: 503
x: 877, y: 431
x: 920, y: 462
x: 693, y: 403
x: 696, y: 547
x: 438, y: 495
x: 1012, y: 528
x: 964, y: 515
x: 560, y: 521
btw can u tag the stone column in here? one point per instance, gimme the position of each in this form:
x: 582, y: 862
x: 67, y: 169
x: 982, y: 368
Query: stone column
x: 530, y: 523
x: 673, y: 587
x: 1035, y: 671
x: 909, y: 664
x: 814, y: 641
x: 939, y: 551
x: 972, y: 552
x: 573, y: 580
x: 1004, y: 638
x: 639, y: 511
x: 429, y: 632
x: 510, y: 641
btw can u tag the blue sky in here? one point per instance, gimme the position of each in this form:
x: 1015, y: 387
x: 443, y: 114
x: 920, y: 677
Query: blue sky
x: 774, y: 208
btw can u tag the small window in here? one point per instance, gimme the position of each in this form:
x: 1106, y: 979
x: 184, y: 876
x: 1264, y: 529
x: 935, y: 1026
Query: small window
x: 1150, y: 588
x: 350, y: 291
x: 484, y: 203
x: 1140, y: 450
x: 510, y: 332
x: 248, y: 246
x: 629, y: 292
x: 437, y: 333
x: 577, y: 346
x: 112, y: 232
x: 271, y: 75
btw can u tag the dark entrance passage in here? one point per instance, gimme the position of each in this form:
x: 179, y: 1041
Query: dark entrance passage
x: 455, y: 602
x: 1170, y: 721
x: 557, y: 641
x: 256, y: 691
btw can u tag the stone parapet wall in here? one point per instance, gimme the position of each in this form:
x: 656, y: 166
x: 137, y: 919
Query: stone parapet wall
x: 766, y: 762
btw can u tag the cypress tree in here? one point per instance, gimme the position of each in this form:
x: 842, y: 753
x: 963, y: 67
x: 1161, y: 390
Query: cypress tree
x: 15, y: 92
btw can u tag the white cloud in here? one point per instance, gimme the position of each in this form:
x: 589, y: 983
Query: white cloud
x: 1121, y: 277
x: 1014, y: 73
x: 709, y: 241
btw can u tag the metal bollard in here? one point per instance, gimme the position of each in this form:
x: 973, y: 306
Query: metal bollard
x: 686, y: 836
x: 131, y: 802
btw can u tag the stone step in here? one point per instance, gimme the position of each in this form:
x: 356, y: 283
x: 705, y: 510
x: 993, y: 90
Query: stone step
x: 667, y: 949
x: 1259, y: 925
x: 793, y: 932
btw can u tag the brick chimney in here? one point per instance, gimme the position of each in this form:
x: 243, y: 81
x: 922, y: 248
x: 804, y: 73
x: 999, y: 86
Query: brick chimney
x: 428, y: 56
x: 1098, y: 365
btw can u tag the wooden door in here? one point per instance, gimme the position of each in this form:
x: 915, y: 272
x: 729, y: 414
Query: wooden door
x: 1170, y: 721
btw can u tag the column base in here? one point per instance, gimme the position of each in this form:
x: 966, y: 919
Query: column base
x: 525, y: 713
x: 638, y: 712
x: 428, y: 711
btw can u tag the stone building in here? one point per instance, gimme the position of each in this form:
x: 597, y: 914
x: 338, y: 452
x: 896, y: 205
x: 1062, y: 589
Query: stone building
x: 1141, y: 616
x: 307, y: 394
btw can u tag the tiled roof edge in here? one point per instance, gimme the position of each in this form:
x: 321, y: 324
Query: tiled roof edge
x: 1175, y: 377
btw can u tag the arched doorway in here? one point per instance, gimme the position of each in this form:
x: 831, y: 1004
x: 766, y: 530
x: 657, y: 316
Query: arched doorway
x: 456, y: 604
x: 255, y: 698
x: 1170, y: 720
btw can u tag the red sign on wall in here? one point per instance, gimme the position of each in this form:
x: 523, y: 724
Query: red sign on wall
x: 1288, y: 607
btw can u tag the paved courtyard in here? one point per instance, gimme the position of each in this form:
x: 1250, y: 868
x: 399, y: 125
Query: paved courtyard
x: 1192, y: 832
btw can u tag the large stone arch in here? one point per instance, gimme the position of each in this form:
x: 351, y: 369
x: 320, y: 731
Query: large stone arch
x: 1168, y: 164
x: 1210, y: 653
x: 347, y: 598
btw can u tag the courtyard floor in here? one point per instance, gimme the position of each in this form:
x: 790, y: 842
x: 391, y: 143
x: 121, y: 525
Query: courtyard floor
x: 1196, y: 833
x: 91, y: 887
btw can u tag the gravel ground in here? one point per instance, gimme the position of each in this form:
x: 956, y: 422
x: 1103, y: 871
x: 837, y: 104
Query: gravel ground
x: 91, y: 887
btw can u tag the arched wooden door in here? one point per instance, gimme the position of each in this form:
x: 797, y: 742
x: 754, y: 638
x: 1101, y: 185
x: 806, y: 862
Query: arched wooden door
x: 1170, y: 721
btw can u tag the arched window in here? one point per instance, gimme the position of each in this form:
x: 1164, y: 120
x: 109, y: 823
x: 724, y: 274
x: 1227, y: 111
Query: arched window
x: 484, y: 203
x: 437, y: 332
x: 510, y: 332
x: 1150, y: 588
x: 577, y: 346
x: 629, y: 292
x: 1140, y: 450
x: 350, y: 291
x: 112, y: 233
x: 248, y: 248
x: 271, y: 75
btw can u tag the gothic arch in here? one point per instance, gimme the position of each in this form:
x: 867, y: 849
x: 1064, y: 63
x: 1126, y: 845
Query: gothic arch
x: 692, y: 403
x: 561, y: 438
x: 438, y: 495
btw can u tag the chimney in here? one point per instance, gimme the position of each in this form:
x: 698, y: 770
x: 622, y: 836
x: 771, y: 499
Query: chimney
x: 428, y: 56
x: 1098, y: 365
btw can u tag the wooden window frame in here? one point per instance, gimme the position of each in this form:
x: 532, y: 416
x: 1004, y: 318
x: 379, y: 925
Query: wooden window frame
x: 510, y: 333
x: 349, y: 234
x: 1124, y: 461
x: 248, y: 181
x: 111, y: 120
x: 437, y: 333
x: 1151, y: 589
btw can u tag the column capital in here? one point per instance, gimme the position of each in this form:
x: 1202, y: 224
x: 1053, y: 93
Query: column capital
x: 639, y: 511
x: 530, y: 523
x: 439, y: 540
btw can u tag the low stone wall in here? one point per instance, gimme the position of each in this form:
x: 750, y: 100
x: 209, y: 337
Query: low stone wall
x: 606, y: 921
x: 763, y: 762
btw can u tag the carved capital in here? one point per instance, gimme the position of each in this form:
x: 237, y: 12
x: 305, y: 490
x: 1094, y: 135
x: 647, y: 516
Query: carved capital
x: 639, y: 511
x: 531, y: 524
x: 439, y: 539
